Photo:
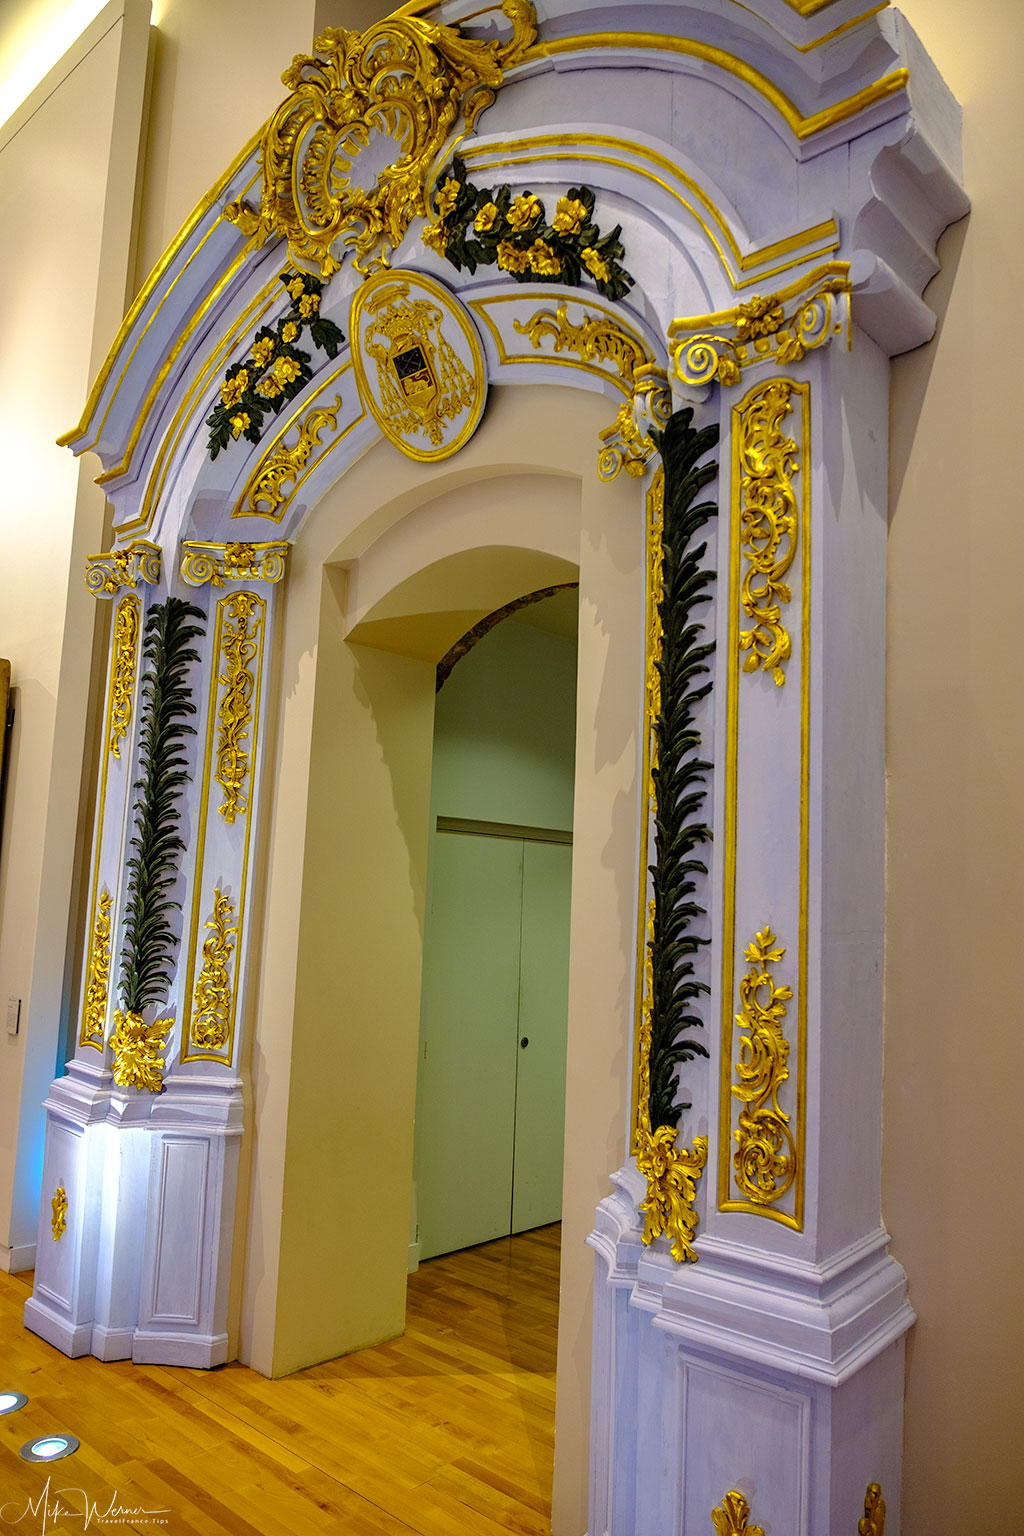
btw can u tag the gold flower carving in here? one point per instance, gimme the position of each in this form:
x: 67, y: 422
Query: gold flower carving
x: 769, y: 525
x: 94, y: 1012
x: 765, y: 1160
x: 211, y: 1017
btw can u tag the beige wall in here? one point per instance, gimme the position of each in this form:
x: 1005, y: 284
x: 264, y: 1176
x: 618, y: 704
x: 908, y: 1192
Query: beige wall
x: 956, y: 819
x: 82, y: 125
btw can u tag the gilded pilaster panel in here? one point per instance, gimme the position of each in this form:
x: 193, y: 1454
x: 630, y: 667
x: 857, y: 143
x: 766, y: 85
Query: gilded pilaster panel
x: 762, y: 1136
x: 220, y: 882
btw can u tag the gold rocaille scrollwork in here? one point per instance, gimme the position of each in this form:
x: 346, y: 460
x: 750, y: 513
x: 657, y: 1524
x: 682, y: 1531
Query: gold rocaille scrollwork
x: 627, y: 442
x: 265, y: 495
x: 873, y: 1521
x: 239, y: 645
x: 94, y: 1011
x: 406, y: 79
x: 211, y: 1009
x: 136, y: 1046
x: 769, y: 525
x: 597, y: 338
x: 775, y: 328
x: 122, y: 682
x: 59, y: 1213
x: 105, y: 575
x: 672, y: 1173
x: 765, y: 1160
x: 732, y: 1517
x: 217, y: 564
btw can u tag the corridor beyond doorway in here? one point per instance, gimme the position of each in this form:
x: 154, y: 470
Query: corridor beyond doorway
x: 446, y: 1430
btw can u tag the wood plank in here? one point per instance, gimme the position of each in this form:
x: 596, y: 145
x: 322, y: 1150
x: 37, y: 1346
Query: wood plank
x: 446, y: 1431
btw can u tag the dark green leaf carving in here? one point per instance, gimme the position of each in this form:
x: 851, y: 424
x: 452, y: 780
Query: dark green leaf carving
x: 679, y: 774
x: 149, y: 940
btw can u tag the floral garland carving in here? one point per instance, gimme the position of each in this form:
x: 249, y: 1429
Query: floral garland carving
x: 766, y: 1158
x: 136, y: 1046
x: 212, y: 1004
x: 94, y: 1012
x: 513, y: 233
x: 239, y: 645
x: 769, y: 526
x: 406, y: 78
x: 276, y: 370
x: 122, y: 686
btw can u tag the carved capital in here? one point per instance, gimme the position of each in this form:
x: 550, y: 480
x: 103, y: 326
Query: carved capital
x: 217, y: 564
x: 776, y: 328
x: 106, y: 575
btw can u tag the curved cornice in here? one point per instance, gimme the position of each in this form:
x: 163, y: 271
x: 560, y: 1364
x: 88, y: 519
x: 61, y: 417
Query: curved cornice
x: 798, y: 82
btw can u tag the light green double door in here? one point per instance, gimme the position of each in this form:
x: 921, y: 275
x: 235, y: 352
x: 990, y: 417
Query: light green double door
x: 491, y: 1102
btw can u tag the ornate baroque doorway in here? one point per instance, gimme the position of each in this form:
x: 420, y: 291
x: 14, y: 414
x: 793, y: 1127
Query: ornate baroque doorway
x: 713, y: 226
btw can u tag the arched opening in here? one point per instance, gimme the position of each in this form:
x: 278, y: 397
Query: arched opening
x: 385, y: 617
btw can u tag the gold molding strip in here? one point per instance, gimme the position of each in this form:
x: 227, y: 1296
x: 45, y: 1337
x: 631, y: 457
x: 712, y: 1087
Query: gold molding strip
x: 765, y: 1161
x: 94, y: 1010
x: 801, y: 126
x: 226, y: 626
x: 769, y: 526
x: 212, y: 1004
x: 731, y: 1517
x: 127, y: 624
x: 726, y: 1200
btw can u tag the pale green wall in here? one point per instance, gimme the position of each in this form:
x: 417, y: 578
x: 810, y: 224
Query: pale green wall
x: 504, y: 729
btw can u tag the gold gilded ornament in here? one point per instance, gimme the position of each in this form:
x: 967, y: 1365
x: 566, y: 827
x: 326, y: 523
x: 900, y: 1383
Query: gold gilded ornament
x: 596, y: 338
x: 137, y: 1046
x: 266, y: 494
x: 405, y: 81
x: 732, y: 1516
x: 240, y: 638
x: 220, y: 563
x: 873, y: 1522
x: 768, y: 527
x: 765, y: 1160
x: 420, y: 341
x: 105, y: 575
x: 94, y: 1012
x: 122, y: 683
x: 211, y: 1016
x: 59, y: 1213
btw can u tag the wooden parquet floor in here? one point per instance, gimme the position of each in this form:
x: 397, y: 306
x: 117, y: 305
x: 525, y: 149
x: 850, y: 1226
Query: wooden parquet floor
x: 447, y: 1431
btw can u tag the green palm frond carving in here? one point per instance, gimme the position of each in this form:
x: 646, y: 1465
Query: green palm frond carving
x: 149, y: 940
x: 679, y: 773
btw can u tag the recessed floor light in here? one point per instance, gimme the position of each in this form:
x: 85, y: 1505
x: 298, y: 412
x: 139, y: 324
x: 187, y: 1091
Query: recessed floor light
x: 10, y: 1402
x: 49, y: 1448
